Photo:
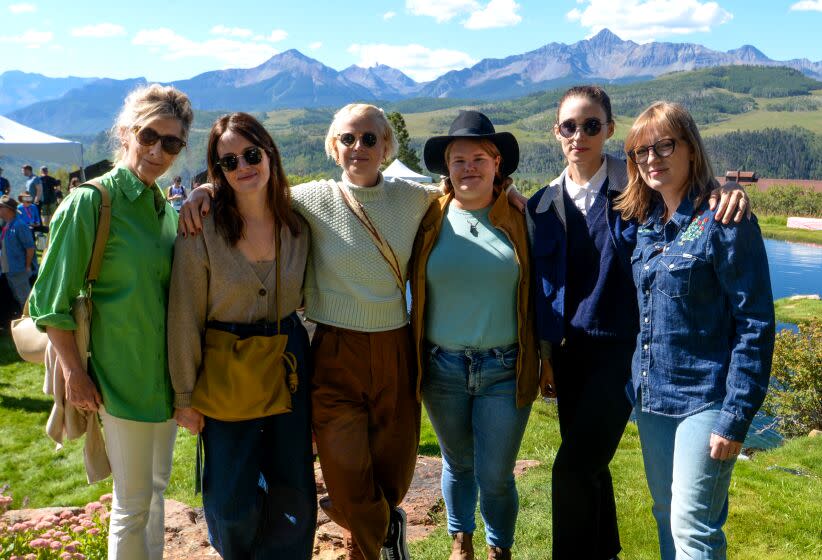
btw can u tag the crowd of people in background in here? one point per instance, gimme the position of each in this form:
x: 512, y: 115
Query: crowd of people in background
x: 626, y: 284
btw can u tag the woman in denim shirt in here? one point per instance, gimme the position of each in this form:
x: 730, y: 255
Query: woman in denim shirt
x: 703, y: 354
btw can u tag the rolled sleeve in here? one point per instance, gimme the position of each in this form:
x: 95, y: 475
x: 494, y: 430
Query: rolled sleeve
x: 741, y: 266
x: 187, y: 310
x: 63, y: 270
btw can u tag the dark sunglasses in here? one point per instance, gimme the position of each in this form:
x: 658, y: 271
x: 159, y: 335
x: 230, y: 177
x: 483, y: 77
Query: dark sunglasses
x: 147, y: 136
x: 368, y: 139
x: 252, y: 156
x: 662, y: 148
x: 591, y: 127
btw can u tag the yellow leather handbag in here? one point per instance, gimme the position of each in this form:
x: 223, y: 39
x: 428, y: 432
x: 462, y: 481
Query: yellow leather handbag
x: 242, y: 378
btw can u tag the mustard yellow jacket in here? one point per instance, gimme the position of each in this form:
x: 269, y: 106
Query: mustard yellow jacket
x: 512, y: 223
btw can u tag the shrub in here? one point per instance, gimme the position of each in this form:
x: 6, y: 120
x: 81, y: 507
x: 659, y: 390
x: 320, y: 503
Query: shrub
x: 79, y: 534
x: 795, y: 396
x: 788, y: 200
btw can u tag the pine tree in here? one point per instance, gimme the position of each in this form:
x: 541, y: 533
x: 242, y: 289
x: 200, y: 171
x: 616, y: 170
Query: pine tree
x: 405, y: 154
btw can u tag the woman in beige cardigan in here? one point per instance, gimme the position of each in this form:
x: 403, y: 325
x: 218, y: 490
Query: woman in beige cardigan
x: 258, y: 482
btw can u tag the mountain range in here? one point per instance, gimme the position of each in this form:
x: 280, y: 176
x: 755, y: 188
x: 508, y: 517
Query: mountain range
x: 292, y: 80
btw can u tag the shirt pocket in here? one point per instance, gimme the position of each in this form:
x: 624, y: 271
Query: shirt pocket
x: 673, y: 277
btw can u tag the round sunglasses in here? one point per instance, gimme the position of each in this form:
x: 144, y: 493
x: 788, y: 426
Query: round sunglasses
x: 662, y: 148
x: 367, y: 139
x: 147, y: 136
x: 252, y: 156
x: 591, y: 127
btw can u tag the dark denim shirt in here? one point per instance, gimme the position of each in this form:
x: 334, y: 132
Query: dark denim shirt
x: 706, y: 318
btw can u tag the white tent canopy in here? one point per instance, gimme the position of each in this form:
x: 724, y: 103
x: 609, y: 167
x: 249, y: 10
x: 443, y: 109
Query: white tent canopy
x: 398, y: 169
x: 20, y: 141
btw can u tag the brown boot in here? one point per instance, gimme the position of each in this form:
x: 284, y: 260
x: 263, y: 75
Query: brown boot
x: 462, y: 546
x: 497, y: 553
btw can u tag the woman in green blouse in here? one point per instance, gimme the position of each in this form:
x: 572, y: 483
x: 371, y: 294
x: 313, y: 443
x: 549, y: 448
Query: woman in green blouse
x: 127, y: 379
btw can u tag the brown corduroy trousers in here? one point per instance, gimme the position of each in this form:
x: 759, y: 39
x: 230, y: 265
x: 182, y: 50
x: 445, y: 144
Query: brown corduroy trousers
x: 366, y: 422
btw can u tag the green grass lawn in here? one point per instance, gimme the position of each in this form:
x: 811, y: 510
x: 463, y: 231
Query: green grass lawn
x: 774, y: 514
x: 775, y: 227
x: 796, y: 310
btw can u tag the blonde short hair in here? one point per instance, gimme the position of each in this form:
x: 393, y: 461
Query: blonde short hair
x: 361, y: 110
x: 146, y: 103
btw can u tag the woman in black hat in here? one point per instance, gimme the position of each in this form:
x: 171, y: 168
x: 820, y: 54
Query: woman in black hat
x: 475, y: 344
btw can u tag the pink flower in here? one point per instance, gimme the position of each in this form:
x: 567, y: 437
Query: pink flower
x: 105, y: 498
x: 66, y: 555
x: 65, y: 538
x: 30, y: 556
x: 39, y: 543
x: 55, y: 545
x: 65, y: 514
x: 86, y: 523
x: 71, y: 548
x: 78, y: 529
x: 95, y: 506
x: 79, y: 556
x: 94, y: 531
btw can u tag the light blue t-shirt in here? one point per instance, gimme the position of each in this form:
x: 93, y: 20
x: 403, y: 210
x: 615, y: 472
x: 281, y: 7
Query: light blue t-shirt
x: 471, y: 284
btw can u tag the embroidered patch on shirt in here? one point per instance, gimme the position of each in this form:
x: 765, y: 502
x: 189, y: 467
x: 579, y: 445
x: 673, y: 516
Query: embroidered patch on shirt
x: 695, y: 229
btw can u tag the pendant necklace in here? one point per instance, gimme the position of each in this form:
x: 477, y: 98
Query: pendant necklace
x: 472, y: 227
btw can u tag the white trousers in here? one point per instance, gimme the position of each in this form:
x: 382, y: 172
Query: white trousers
x: 140, y: 455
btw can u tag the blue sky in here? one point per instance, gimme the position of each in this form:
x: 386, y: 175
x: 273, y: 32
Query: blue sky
x: 169, y: 40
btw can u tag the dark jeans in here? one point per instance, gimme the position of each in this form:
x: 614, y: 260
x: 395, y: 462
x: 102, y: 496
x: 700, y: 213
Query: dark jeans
x: 593, y: 411
x: 259, y: 493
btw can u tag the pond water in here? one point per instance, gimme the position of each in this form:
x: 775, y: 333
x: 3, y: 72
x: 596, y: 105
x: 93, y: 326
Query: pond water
x: 796, y: 268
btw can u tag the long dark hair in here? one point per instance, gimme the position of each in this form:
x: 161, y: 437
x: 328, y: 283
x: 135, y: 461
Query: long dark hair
x: 230, y: 223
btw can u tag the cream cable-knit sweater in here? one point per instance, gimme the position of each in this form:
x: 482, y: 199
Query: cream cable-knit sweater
x: 348, y: 284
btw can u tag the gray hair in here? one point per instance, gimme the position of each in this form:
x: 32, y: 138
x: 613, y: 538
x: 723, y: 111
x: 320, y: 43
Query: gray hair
x: 146, y: 103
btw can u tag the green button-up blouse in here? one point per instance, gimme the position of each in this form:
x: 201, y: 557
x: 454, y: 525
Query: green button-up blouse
x: 128, y: 323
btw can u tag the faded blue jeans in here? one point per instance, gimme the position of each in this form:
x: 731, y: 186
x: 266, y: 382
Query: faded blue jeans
x: 689, y: 489
x: 470, y: 396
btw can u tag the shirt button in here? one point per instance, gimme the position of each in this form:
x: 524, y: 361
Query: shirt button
x: 647, y: 292
x: 646, y: 267
x: 262, y: 291
x: 646, y: 319
x: 644, y: 374
x: 665, y: 248
x: 670, y: 266
x: 645, y: 347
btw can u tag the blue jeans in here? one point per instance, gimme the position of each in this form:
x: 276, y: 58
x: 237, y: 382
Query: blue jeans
x: 259, y: 493
x: 470, y: 396
x: 689, y: 489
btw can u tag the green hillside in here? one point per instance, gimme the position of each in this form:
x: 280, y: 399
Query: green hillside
x: 744, y: 112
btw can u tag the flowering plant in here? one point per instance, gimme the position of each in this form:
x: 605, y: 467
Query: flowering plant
x: 72, y: 534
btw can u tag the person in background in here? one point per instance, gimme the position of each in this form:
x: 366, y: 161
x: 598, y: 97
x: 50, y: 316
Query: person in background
x: 5, y: 186
x: 217, y: 283
x: 48, y: 203
x: 473, y: 330
x: 16, y: 250
x: 28, y: 212
x: 176, y: 193
x: 58, y: 192
x: 587, y: 318
x: 127, y: 379
x: 34, y: 185
x: 702, y: 358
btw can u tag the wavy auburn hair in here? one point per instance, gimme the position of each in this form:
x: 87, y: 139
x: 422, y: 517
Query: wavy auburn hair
x: 638, y: 198
x: 227, y: 217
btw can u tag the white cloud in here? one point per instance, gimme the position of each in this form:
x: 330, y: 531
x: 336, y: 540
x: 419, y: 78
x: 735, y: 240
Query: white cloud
x: 441, y: 10
x: 231, y: 31
x: 315, y: 45
x: 171, y: 46
x: 388, y: 15
x: 647, y: 20
x: 30, y: 39
x: 277, y: 35
x: 419, y: 62
x: 99, y: 30
x: 494, y: 13
x: 808, y: 6
x: 22, y: 8
x: 498, y: 13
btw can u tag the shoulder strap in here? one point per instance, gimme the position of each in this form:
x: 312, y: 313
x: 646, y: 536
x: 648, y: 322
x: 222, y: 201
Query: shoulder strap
x: 385, y: 249
x: 102, y: 231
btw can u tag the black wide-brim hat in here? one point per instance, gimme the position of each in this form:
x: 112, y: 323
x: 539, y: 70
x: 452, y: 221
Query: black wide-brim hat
x: 473, y: 125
